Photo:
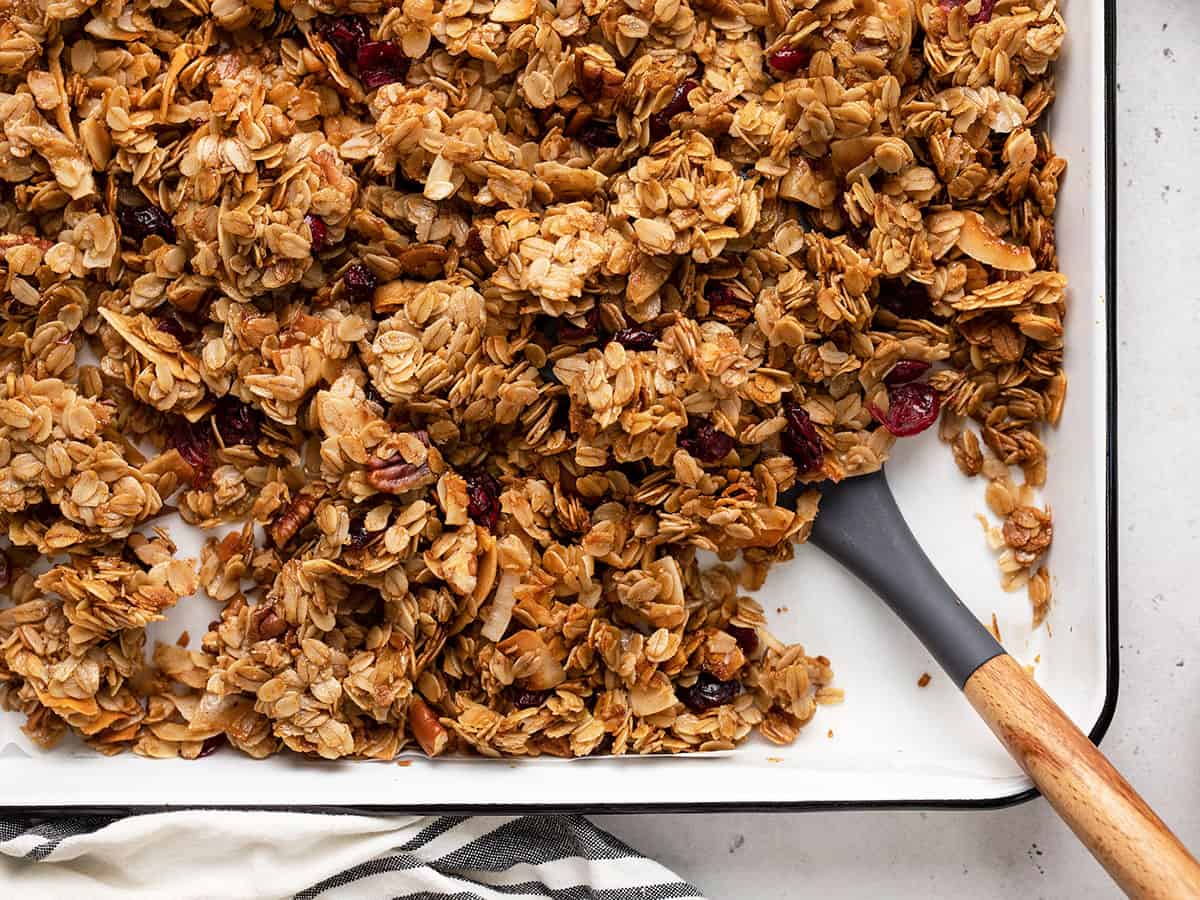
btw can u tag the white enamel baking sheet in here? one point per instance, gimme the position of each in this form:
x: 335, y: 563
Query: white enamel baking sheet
x: 891, y: 742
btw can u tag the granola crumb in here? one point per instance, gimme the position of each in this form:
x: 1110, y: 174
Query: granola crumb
x: 924, y: 680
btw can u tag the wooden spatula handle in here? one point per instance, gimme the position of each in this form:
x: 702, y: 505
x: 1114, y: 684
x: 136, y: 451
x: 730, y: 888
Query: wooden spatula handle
x: 1123, y: 833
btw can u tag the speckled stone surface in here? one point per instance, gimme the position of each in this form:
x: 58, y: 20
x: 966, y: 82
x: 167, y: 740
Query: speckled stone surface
x: 1155, y: 738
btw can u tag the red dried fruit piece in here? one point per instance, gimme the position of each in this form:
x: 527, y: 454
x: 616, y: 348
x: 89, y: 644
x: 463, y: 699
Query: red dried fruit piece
x: 907, y: 301
x: 723, y: 293
x: 598, y: 133
x: 172, y: 326
x: 911, y: 409
x: 523, y: 698
x: 194, y: 442
x: 359, y: 536
x: 474, y: 243
x: 706, y: 443
x: 985, y: 12
x: 346, y: 34
x: 985, y: 9
x: 789, y: 59
x: 138, y: 223
x: 237, y: 423
x: 318, y: 231
x: 747, y: 638
x: 660, y: 122
x: 906, y: 370
x: 568, y: 331
x: 635, y: 339
x: 708, y: 693
x: 800, y: 440
x: 211, y: 746
x: 360, y: 283
x: 380, y: 63
x: 483, y: 498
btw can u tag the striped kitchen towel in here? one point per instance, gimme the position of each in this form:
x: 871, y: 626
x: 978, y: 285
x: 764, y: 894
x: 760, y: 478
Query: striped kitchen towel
x: 207, y: 854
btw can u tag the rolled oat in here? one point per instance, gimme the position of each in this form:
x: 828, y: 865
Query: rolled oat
x: 493, y: 316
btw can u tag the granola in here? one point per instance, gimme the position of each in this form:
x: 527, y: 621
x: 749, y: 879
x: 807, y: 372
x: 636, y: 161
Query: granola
x: 485, y: 321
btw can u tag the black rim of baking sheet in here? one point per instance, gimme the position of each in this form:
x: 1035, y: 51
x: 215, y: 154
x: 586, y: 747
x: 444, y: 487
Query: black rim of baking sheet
x: 1112, y: 667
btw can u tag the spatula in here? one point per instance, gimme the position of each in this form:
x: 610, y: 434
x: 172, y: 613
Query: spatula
x: 861, y: 527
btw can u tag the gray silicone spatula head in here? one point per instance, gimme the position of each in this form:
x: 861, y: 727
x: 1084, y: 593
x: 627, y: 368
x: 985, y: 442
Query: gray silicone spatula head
x: 860, y: 525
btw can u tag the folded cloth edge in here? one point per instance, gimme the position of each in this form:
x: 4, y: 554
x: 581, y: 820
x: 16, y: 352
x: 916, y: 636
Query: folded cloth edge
x: 261, y: 855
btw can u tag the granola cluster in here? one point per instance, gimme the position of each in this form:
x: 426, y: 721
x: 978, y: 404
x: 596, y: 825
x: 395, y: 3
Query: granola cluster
x: 478, y: 322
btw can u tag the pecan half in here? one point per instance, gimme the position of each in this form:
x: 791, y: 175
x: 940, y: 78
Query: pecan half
x: 394, y: 474
x: 294, y: 516
x: 266, y: 624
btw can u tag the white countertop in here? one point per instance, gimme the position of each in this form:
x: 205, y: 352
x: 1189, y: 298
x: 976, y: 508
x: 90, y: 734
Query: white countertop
x: 1155, y: 737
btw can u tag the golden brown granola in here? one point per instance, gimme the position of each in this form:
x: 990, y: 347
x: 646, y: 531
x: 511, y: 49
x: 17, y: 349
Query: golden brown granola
x: 483, y: 320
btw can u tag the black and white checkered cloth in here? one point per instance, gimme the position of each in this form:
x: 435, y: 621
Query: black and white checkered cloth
x: 236, y: 854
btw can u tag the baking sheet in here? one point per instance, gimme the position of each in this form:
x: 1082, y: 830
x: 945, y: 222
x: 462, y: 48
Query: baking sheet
x: 892, y: 742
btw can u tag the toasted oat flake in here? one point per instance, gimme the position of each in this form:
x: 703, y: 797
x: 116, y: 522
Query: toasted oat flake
x: 478, y: 323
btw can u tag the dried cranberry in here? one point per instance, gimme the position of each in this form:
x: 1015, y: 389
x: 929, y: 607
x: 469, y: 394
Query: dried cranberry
x: 598, y: 133
x: 523, y: 698
x: 635, y: 339
x: 708, y: 693
x: 380, y: 63
x: 138, y: 223
x: 237, y: 423
x: 906, y: 370
x: 567, y: 331
x: 660, y: 122
x: 360, y: 282
x: 907, y: 301
x: 912, y: 408
x: 747, y: 638
x: 194, y: 440
x: 359, y: 536
x: 706, y: 443
x: 347, y: 34
x: 800, y: 439
x: 984, y: 14
x: 320, y: 234
x: 483, y: 498
x: 172, y: 326
x: 722, y: 293
x: 789, y: 59
x: 211, y: 746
